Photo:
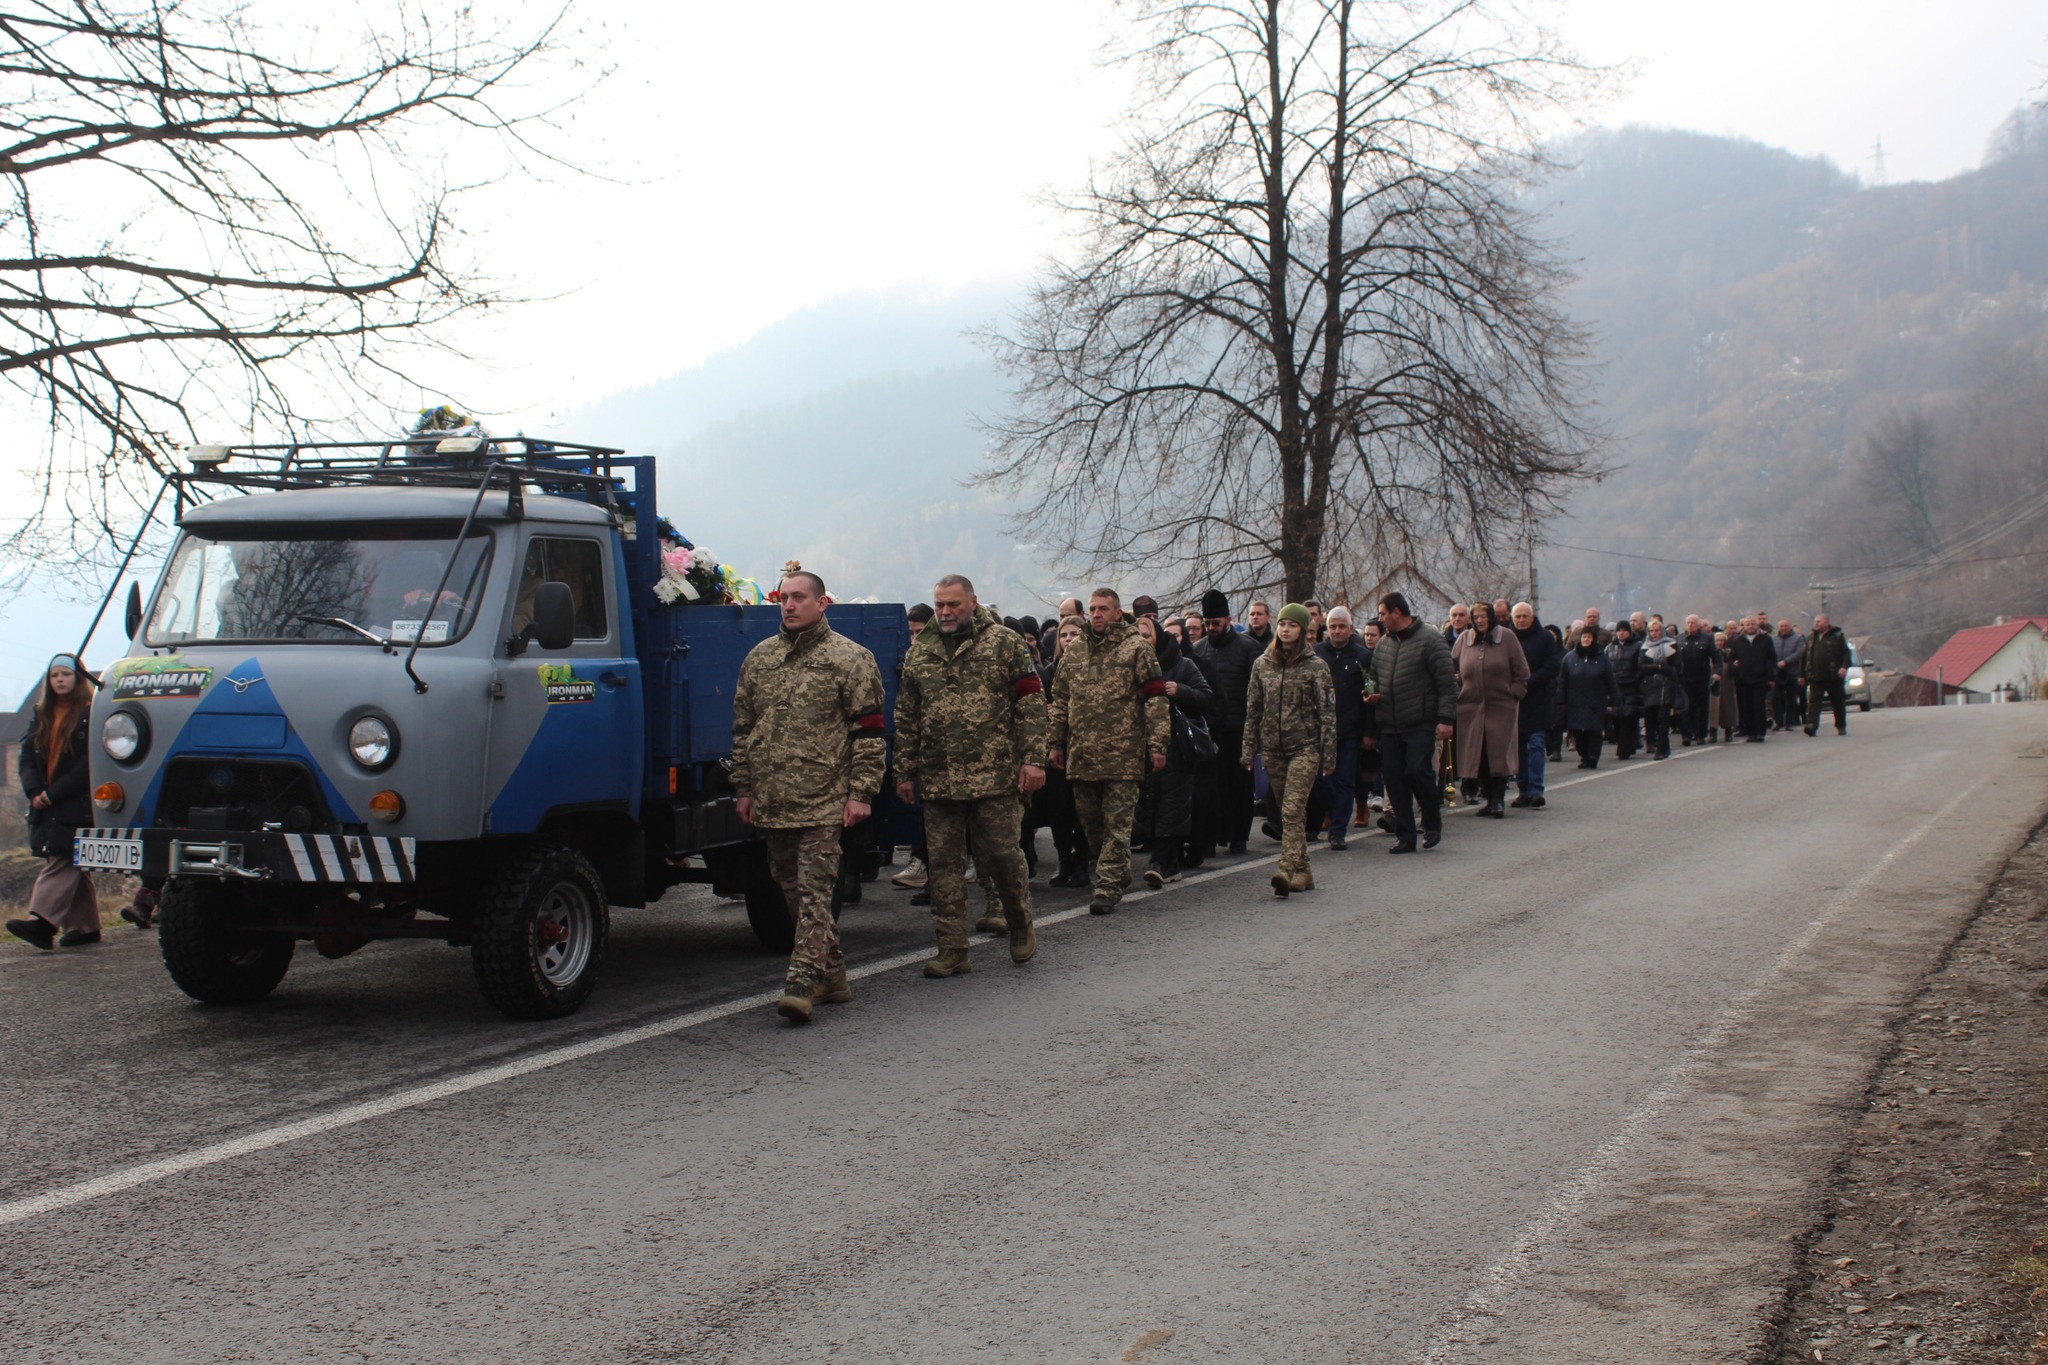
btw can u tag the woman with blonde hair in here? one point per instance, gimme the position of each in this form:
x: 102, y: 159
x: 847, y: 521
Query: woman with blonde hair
x: 63, y: 910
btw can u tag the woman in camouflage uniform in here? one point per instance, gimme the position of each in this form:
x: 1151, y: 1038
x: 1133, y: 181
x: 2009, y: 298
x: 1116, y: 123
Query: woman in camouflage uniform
x: 1291, y: 717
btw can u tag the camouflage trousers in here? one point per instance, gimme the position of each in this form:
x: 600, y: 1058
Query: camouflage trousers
x: 1293, y: 777
x: 993, y: 826
x: 1105, y: 810
x: 805, y: 864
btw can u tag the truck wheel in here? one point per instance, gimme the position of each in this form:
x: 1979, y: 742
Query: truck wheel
x: 540, y: 931
x: 767, y: 909
x: 1864, y: 707
x: 209, y: 957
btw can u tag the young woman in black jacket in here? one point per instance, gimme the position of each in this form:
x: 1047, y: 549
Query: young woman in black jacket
x: 63, y: 909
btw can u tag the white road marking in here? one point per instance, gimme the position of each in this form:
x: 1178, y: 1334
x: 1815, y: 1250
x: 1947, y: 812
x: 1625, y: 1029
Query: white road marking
x: 1564, y: 1207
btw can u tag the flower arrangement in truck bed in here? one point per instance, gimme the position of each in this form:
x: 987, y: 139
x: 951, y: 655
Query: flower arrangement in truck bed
x: 692, y: 574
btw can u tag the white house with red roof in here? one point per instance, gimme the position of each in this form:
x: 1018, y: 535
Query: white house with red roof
x: 2010, y: 655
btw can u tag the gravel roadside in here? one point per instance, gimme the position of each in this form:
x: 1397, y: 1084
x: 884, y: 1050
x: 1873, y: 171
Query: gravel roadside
x: 1937, y: 1246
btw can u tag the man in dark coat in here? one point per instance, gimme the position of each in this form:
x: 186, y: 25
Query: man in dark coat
x: 1753, y: 663
x: 1826, y: 666
x: 1625, y: 652
x: 1348, y: 662
x: 1416, y: 691
x: 1227, y: 655
x: 1539, y: 703
x: 1698, y: 663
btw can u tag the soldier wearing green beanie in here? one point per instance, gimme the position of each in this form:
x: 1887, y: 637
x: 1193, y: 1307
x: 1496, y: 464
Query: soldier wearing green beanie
x: 1291, y: 718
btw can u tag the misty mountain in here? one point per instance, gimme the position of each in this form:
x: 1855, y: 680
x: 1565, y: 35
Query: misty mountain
x: 1779, y: 351
x: 1766, y: 329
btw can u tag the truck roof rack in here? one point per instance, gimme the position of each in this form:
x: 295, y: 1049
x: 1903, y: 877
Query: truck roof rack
x: 430, y: 459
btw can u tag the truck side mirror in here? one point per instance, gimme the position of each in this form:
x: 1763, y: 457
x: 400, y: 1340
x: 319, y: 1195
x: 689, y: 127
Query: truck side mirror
x: 554, y: 616
x: 134, y: 608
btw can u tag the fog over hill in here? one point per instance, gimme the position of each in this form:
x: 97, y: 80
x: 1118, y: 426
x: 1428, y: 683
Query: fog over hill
x: 1796, y: 370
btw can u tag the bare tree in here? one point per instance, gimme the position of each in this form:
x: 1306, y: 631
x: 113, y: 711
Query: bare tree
x: 212, y: 224
x: 1899, y: 464
x: 1307, y: 329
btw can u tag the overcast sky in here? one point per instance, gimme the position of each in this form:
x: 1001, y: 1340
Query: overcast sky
x: 771, y: 156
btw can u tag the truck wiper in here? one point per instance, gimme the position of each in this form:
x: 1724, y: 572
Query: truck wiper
x: 377, y: 640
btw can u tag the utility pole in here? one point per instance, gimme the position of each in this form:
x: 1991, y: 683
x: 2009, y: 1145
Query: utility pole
x: 1877, y: 155
x: 1823, y: 589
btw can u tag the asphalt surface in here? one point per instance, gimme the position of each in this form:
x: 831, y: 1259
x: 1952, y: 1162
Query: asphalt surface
x: 1561, y: 1089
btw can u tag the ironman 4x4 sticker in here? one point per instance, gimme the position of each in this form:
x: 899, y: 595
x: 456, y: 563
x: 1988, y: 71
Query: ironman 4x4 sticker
x: 149, y: 679
x: 560, y: 683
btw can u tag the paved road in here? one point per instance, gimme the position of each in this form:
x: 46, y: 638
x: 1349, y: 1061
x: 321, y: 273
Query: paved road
x: 1554, y: 1091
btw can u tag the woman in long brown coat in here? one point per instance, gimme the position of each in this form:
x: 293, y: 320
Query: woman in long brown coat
x: 1724, y: 715
x: 1493, y: 677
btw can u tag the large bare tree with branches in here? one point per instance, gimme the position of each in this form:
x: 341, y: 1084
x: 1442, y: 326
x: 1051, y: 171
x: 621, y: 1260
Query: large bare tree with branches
x: 210, y: 224
x: 1307, y: 328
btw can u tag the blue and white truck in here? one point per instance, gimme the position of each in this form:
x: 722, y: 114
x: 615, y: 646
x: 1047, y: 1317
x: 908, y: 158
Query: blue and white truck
x: 425, y: 689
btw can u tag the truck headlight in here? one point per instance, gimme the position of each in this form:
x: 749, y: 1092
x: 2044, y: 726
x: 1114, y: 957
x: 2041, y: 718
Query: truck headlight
x: 372, y: 742
x: 124, y: 735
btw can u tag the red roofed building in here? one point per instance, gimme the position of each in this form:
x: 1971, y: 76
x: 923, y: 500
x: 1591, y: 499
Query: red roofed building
x: 2011, y: 654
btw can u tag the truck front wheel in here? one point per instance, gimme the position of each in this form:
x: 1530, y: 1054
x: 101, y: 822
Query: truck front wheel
x: 210, y: 954
x: 540, y: 932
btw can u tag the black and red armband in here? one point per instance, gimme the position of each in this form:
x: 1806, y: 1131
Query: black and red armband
x: 868, y: 725
x: 1154, y: 687
x: 1025, y: 685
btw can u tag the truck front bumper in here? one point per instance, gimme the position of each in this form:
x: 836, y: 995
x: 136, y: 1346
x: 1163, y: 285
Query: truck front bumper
x: 247, y: 855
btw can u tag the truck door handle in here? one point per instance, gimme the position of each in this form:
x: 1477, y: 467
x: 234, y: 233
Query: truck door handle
x: 612, y: 679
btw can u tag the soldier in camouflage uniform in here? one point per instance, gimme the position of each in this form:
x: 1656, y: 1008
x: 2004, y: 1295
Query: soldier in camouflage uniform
x: 807, y: 763
x: 970, y: 742
x: 1109, y: 722
x: 1290, y: 716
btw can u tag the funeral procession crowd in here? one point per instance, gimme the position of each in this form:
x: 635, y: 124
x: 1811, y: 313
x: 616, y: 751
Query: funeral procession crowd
x: 1122, y: 729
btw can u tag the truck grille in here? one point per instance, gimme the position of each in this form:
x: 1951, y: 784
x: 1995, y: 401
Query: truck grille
x: 242, y: 794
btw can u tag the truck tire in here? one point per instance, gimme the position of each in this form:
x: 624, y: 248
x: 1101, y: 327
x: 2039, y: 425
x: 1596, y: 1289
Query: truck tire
x: 540, y: 933
x: 210, y: 958
x: 768, y: 910
x: 1864, y: 707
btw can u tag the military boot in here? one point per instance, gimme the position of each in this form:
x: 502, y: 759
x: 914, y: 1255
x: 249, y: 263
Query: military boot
x: 1023, y: 944
x: 1303, y: 880
x: 835, y: 989
x: 796, y: 1001
x: 1282, y: 884
x: 992, y: 923
x: 949, y: 962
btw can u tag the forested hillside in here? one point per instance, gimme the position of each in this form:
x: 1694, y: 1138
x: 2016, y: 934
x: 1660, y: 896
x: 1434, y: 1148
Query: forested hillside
x: 1802, y: 373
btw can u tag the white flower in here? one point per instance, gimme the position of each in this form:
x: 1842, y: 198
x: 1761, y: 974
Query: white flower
x: 666, y: 589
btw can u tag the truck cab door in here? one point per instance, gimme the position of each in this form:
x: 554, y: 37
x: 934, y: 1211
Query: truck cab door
x: 567, y: 736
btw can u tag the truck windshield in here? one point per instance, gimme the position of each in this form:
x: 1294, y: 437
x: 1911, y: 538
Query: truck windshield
x: 316, y: 583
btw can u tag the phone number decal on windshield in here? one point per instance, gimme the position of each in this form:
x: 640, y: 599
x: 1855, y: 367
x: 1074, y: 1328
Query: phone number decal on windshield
x: 155, y: 679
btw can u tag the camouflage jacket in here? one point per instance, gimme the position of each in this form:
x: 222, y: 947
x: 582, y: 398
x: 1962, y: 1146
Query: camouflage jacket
x: 807, y: 728
x: 1290, y: 709
x: 1109, y: 706
x: 969, y: 712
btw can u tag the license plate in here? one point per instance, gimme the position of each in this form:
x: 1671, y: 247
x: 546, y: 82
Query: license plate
x: 119, y: 855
